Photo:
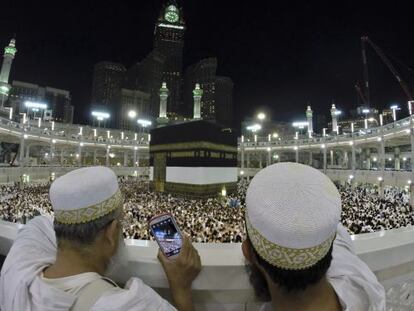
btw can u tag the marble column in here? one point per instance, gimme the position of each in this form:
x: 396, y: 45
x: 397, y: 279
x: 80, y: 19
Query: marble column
x: 125, y: 158
x: 135, y: 156
x: 107, y: 156
x: 412, y: 149
x: 353, y: 158
x: 80, y: 155
x: 27, y: 156
x: 397, y: 160
x: 62, y: 156
x: 331, y: 154
x: 242, y: 155
x: 21, y: 150
x: 382, y: 154
x: 345, y: 160
x: 368, y: 159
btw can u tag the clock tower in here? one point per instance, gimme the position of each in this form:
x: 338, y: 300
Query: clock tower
x: 169, y: 41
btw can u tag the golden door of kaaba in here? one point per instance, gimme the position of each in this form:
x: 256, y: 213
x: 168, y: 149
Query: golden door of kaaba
x: 160, y: 168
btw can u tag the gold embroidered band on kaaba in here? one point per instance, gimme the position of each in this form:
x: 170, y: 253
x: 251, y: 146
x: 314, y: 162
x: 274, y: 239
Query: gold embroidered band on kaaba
x: 90, y: 213
x: 287, y: 258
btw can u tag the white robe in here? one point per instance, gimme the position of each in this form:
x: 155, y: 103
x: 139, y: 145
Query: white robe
x: 22, y: 287
x: 354, y: 283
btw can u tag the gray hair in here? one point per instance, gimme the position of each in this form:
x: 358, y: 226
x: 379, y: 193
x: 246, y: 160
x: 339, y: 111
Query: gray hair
x: 82, y: 235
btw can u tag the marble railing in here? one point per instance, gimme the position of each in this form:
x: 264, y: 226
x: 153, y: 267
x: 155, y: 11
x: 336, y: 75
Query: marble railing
x: 389, y: 178
x: 13, y: 174
x: 223, y: 283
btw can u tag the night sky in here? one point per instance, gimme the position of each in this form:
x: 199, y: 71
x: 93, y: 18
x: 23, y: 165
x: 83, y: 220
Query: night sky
x: 280, y: 55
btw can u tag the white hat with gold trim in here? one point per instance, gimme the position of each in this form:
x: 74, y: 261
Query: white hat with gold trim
x: 293, y: 211
x: 84, y: 195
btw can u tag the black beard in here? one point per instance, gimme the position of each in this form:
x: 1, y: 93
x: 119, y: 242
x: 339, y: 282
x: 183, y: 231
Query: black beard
x: 258, y: 282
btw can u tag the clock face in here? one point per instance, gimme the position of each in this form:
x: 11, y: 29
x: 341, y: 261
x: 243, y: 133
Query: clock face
x: 172, y: 17
x: 171, y: 14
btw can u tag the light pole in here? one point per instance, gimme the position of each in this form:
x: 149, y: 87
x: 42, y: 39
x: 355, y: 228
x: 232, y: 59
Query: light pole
x: 34, y: 107
x: 300, y: 125
x: 366, y: 112
x: 334, y: 114
x: 144, y: 124
x: 101, y: 116
x: 410, y: 107
x: 132, y: 114
x: 394, y: 109
x: 254, y: 128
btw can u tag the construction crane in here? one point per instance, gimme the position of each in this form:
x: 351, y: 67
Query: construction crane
x: 361, y: 94
x: 364, y: 41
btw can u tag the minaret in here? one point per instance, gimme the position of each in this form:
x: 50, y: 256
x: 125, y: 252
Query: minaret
x: 164, y: 93
x: 197, y: 94
x: 309, y: 117
x: 9, y: 52
x: 334, y: 115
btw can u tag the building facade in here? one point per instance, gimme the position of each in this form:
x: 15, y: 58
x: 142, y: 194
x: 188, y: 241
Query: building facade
x: 204, y: 73
x: 146, y: 77
x: 217, y: 99
x: 224, y: 88
x: 132, y: 100
x: 58, y: 101
x: 169, y: 41
x: 108, y: 79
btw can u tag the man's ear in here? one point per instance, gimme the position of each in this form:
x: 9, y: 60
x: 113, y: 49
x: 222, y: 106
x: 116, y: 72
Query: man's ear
x: 247, y: 251
x: 111, y: 233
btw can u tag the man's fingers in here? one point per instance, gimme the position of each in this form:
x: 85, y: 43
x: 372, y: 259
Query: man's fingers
x: 185, y: 247
x: 161, y: 257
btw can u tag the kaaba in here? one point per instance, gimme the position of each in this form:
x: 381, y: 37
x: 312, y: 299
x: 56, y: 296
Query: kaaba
x: 196, y: 158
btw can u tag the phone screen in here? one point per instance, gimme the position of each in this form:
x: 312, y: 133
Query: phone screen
x: 168, y: 237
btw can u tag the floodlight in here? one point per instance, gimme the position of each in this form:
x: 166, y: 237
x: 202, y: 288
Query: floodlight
x: 144, y: 123
x: 35, y: 105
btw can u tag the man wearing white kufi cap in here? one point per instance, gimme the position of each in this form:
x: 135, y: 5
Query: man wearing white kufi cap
x: 60, y: 264
x: 300, y: 256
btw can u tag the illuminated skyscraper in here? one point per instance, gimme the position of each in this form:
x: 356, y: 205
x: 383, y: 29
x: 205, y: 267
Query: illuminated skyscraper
x: 217, y: 98
x: 204, y: 73
x: 146, y: 76
x: 9, y: 52
x: 224, y: 88
x: 169, y: 41
x: 108, y: 78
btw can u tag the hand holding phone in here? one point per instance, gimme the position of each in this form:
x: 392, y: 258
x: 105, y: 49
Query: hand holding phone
x: 167, y: 234
x: 179, y: 259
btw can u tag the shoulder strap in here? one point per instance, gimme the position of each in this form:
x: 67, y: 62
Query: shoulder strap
x: 91, y: 292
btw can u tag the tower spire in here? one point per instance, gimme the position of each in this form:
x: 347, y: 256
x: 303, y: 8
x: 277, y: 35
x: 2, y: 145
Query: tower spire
x: 8, y: 56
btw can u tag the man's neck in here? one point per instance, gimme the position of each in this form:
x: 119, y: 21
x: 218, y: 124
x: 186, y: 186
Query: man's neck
x: 69, y: 262
x: 320, y: 296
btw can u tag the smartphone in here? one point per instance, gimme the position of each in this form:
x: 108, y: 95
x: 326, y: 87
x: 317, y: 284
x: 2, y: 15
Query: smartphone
x: 167, y: 234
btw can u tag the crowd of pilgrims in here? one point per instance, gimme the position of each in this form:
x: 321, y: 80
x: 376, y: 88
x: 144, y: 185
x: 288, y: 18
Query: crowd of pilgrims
x: 219, y: 219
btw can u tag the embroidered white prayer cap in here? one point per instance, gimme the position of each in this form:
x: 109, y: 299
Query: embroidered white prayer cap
x: 85, y: 194
x: 293, y: 211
